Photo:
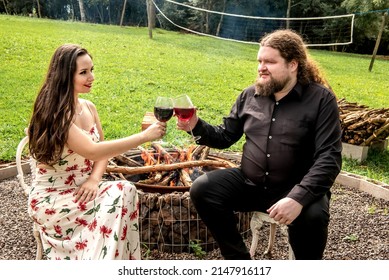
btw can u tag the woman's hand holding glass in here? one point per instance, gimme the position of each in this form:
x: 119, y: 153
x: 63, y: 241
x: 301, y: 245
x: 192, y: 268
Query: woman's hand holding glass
x: 155, y: 131
x: 163, y: 111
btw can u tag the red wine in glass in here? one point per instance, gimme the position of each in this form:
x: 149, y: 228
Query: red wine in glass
x: 184, y: 110
x: 163, y: 114
x: 184, y: 114
x: 163, y: 111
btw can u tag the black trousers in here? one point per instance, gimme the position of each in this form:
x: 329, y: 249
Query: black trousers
x: 218, y: 194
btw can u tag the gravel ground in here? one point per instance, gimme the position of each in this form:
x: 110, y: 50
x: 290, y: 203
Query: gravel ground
x: 359, y: 229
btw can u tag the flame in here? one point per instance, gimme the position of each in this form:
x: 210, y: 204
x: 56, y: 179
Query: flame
x: 161, y: 156
x: 147, y: 158
x: 190, y: 152
x: 182, y: 156
x: 158, y: 158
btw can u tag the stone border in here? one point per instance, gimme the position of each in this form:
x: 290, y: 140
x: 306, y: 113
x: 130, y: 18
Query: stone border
x: 9, y: 170
x: 372, y: 187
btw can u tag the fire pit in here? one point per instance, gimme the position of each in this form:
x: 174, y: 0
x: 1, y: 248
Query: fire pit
x: 168, y: 220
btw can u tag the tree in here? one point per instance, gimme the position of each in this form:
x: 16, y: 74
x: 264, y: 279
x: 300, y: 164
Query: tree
x: 38, y: 8
x: 5, y: 6
x: 367, y: 24
x: 82, y: 10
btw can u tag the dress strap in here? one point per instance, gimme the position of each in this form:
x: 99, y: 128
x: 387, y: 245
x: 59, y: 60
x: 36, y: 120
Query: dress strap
x: 87, y: 104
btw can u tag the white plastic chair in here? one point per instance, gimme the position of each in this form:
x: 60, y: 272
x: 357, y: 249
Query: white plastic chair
x: 256, y: 223
x: 26, y: 189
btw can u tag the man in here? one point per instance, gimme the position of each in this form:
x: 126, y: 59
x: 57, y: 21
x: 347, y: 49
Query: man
x: 291, y: 156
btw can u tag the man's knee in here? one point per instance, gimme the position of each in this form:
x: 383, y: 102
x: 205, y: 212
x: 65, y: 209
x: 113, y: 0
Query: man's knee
x: 316, y: 214
x: 198, y: 188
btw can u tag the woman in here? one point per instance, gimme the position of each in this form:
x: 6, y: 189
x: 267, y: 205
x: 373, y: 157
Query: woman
x: 80, y: 216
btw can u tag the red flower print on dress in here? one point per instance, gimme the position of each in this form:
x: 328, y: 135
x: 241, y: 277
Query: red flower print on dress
x: 58, y: 229
x: 42, y: 171
x: 92, y: 130
x: 124, y: 211
x: 88, y: 165
x: 133, y: 215
x: 88, y: 162
x: 116, y: 253
x: 50, y: 211
x: 86, y: 169
x: 33, y: 204
x: 82, y: 206
x: 124, y: 233
x: 49, y: 190
x: 105, y: 231
x: 120, y: 185
x: 92, y: 225
x: 51, y: 244
x: 81, y: 245
x: 70, y: 180
x: 71, y: 168
x: 106, y: 189
x: 67, y: 191
x: 81, y: 222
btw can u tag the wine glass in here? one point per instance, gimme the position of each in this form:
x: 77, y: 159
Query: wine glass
x: 163, y: 111
x: 184, y: 110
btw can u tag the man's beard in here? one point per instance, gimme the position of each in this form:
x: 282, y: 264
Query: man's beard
x: 271, y: 87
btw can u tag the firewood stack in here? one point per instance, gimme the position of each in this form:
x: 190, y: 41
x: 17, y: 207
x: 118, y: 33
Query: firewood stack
x: 362, y: 126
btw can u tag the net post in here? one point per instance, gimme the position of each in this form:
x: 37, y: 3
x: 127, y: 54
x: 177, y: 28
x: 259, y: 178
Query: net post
x: 150, y: 17
x: 377, y: 43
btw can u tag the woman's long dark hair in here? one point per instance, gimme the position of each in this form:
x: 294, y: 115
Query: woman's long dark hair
x: 54, y: 106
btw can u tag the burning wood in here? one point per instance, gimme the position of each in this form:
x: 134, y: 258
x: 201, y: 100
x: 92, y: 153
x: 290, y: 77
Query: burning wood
x: 168, y: 220
x: 161, y: 167
x: 167, y: 167
x: 361, y: 125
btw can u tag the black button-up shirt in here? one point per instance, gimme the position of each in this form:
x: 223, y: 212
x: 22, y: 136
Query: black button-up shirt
x: 293, y: 146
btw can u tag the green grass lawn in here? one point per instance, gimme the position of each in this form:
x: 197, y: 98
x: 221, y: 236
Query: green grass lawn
x: 131, y: 70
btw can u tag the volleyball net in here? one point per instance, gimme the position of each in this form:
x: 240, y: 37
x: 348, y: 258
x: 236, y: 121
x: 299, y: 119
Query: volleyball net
x: 316, y: 31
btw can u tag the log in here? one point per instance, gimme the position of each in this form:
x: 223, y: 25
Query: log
x: 361, y: 125
x: 166, y: 167
x: 376, y: 134
x: 185, y: 178
x: 127, y: 161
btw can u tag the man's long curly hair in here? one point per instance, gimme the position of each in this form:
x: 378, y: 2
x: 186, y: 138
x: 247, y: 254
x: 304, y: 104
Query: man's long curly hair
x: 54, y: 107
x: 291, y: 47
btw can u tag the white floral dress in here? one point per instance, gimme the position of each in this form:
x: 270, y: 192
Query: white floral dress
x: 105, y: 228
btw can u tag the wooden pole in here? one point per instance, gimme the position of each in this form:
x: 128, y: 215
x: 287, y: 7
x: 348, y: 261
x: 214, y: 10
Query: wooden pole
x: 123, y: 12
x: 377, y: 43
x: 150, y: 17
x: 288, y: 13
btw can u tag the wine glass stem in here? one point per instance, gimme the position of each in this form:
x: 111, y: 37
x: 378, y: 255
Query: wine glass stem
x: 191, y: 132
